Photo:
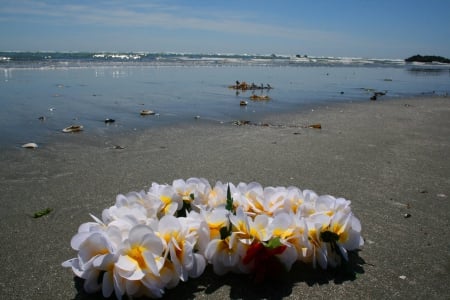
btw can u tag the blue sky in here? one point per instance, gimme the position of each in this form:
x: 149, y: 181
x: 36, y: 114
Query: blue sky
x: 358, y: 28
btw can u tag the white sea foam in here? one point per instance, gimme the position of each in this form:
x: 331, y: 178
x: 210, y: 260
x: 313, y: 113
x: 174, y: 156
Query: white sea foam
x: 79, y: 59
x: 133, y: 56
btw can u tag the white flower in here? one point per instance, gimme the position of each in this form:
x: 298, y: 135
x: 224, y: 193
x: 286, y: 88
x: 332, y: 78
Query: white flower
x: 168, y: 199
x: 97, y: 251
x: 139, y: 247
x: 254, y: 196
x: 194, y: 191
x: 212, y: 221
x: 331, y: 237
x: 318, y: 251
x: 140, y: 254
x: 248, y: 229
x: 179, y: 244
x: 226, y: 255
x: 153, y: 286
x: 291, y: 232
x: 293, y: 200
x: 274, y: 199
x: 218, y: 195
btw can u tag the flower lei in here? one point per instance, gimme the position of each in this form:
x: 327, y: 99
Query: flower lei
x: 149, y: 241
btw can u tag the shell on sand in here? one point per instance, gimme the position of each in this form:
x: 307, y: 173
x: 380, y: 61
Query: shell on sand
x: 73, y: 128
x: 146, y: 112
x: 30, y: 145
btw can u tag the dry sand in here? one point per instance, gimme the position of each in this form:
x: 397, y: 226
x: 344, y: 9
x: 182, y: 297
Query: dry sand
x: 389, y: 157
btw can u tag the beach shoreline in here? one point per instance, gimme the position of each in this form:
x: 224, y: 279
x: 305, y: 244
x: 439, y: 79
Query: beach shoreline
x: 389, y: 157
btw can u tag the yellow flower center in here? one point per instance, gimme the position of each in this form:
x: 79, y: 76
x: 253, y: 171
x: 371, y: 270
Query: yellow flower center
x: 136, y: 254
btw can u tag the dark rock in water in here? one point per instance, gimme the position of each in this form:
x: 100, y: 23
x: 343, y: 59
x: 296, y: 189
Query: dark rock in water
x: 108, y: 120
x: 379, y: 94
x: 428, y: 59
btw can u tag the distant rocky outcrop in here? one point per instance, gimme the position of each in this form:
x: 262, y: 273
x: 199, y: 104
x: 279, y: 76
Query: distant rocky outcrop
x: 428, y: 59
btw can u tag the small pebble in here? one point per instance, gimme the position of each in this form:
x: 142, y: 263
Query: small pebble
x: 406, y: 216
x: 402, y: 277
x: 118, y: 147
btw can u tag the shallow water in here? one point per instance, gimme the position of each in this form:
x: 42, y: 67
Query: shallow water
x: 88, y: 95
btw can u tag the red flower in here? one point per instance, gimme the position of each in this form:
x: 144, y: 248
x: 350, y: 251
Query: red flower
x: 266, y: 264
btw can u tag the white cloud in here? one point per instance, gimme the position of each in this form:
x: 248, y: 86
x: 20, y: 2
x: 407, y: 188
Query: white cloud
x: 113, y: 13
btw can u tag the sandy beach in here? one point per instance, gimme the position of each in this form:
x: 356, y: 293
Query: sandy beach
x: 389, y: 157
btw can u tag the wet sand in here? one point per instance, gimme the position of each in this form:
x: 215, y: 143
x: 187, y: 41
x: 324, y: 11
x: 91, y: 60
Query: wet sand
x: 390, y: 157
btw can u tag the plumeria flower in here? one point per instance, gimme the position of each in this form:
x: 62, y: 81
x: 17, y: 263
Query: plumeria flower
x: 218, y: 195
x: 226, y: 255
x: 293, y: 200
x: 211, y: 224
x: 248, y: 229
x: 317, y: 252
x: 268, y: 201
x: 342, y: 234
x: 140, y: 254
x: 179, y: 244
x: 140, y: 201
x: 168, y: 198
x: 193, y: 191
x: 290, y: 232
x: 153, y: 286
x: 147, y: 242
x: 330, y: 205
x: 125, y: 219
x: 254, y: 194
x: 333, y: 236
x: 274, y: 199
x: 97, y: 251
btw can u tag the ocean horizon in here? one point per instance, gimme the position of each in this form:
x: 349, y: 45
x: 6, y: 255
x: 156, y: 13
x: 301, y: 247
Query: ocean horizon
x: 12, y: 59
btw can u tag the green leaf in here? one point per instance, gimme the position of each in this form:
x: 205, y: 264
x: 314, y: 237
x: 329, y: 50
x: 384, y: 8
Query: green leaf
x: 229, y: 205
x: 191, y: 196
x: 185, y: 209
x: 273, y: 243
x: 224, y: 233
x: 329, y: 237
x: 42, y: 213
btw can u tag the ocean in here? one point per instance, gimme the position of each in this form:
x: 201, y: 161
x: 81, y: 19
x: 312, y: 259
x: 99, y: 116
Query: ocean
x: 44, y: 92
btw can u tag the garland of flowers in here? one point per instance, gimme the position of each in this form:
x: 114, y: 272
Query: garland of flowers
x: 149, y: 241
